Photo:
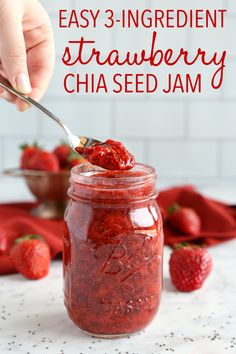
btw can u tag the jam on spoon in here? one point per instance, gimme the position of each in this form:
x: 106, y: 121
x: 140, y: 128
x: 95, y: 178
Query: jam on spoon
x: 110, y: 155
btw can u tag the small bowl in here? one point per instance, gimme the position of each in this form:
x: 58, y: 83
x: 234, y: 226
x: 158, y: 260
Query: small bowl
x: 50, y: 189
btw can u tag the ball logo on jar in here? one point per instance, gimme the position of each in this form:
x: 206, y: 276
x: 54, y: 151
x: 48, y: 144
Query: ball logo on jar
x: 127, y: 256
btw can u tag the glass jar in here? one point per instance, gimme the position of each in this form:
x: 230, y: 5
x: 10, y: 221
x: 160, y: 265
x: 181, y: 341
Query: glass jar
x: 113, y: 246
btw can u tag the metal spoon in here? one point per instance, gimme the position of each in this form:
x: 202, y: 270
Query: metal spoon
x: 75, y: 141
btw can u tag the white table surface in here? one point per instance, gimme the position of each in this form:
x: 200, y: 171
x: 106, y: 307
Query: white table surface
x: 33, y: 318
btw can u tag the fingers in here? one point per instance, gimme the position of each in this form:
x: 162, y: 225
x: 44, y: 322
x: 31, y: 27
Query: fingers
x: 41, y: 60
x: 26, y: 49
x: 4, y: 94
x: 12, y: 47
x: 41, y: 64
x: 40, y: 52
x: 21, y: 105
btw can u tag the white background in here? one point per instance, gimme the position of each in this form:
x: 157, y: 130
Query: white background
x: 188, y: 138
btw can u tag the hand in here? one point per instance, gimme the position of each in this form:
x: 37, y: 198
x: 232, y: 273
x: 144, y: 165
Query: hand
x: 26, y: 49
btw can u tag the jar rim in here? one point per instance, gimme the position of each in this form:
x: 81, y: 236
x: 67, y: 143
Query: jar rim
x: 85, y: 174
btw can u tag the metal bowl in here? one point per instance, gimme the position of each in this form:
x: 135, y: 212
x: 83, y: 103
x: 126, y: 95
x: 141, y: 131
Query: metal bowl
x: 49, y: 188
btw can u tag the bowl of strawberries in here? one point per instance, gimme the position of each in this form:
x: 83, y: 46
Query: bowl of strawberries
x: 47, y: 174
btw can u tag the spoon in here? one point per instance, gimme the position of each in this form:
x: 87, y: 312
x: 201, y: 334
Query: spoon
x: 75, y: 141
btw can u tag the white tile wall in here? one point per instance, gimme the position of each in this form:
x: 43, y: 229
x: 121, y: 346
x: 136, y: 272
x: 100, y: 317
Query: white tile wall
x: 212, y: 120
x: 230, y: 74
x: 116, y: 6
x: 216, y: 40
x: 56, y: 87
x: 54, y: 6
x: 83, y: 117
x: 228, y: 159
x: 149, y: 119
x: 186, y: 4
x: 183, y: 159
x: 231, y: 6
x: 188, y: 138
x: 16, y: 124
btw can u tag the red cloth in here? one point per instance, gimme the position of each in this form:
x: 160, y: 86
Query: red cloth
x: 16, y: 221
x: 218, y: 223
x: 218, y: 220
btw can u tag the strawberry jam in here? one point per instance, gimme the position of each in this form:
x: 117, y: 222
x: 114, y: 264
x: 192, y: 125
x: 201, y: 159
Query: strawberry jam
x: 113, y: 244
x: 111, y: 155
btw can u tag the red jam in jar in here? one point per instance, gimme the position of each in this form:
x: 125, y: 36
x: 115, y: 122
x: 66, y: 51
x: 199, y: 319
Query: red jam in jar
x: 113, y: 245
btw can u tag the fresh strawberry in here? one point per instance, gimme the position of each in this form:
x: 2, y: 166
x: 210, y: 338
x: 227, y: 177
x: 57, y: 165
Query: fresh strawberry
x: 74, y: 162
x: 44, y: 161
x: 184, y: 220
x: 28, y: 152
x: 62, y: 153
x: 74, y: 159
x: 189, y: 267
x: 31, y: 256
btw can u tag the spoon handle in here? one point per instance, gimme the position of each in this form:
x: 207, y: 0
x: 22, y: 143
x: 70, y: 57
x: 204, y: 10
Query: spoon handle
x: 74, y: 140
x: 34, y: 103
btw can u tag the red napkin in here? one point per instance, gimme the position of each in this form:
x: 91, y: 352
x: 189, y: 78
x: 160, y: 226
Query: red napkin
x: 218, y: 220
x: 16, y: 221
x: 218, y: 223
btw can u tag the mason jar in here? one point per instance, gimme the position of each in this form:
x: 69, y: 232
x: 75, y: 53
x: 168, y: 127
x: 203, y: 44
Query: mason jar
x: 113, y: 247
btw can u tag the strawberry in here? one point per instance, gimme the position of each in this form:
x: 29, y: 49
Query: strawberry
x: 31, y: 256
x: 44, y: 161
x: 62, y: 153
x: 184, y: 220
x: 74, y: 160
x: 28, y: 152
x: 189, y: 267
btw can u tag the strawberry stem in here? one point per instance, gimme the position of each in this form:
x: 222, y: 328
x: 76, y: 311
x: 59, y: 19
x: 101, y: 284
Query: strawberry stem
x: 173, y: 208
x: 177, y: 246
x: 64, y: 143
x: 25, y: 145
x: 73, y: 155
x: 27, y: 237
x: 187, y: 244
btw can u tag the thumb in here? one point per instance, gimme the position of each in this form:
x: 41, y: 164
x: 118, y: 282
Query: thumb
x: 12, y: 49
